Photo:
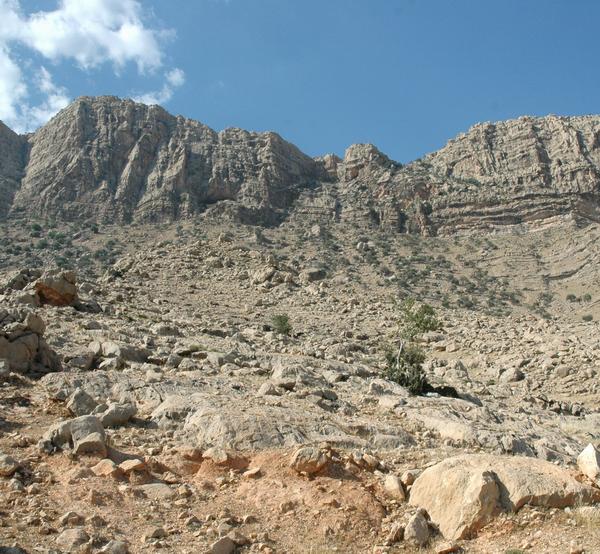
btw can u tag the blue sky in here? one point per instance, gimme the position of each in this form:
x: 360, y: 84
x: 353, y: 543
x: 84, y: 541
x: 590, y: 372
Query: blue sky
x: 406, y: 75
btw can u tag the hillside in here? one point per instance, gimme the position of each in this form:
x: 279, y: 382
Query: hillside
x: 196, y: 327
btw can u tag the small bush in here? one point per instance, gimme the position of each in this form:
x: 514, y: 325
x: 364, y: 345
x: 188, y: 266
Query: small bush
x: 406, y: 368
x: 281, y: 324
x: 417, y: 319
x: 587, y: 297
x: 588, y: 317
x: 571, y: 298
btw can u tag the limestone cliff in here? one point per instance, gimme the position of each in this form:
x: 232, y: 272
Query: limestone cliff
x: 115, y: 160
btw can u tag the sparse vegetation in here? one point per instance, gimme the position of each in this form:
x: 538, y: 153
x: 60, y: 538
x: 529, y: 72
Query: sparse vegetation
x: 404, y: 364
x: 405, y: 367
x: 281, y: 324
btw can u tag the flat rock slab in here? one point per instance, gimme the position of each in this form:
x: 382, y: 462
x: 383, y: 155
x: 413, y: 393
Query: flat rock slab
x: 463, y: 493
x: 157, y: 491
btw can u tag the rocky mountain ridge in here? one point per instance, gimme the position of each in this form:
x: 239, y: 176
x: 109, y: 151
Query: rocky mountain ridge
x: 114, y: 160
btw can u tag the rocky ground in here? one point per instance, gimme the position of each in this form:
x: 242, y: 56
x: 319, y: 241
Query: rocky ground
x: 148, y: 404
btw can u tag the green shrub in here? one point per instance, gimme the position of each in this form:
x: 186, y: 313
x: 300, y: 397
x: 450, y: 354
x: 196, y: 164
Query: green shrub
x: 588, y: 317
x: 571, y: 298
x: 404, y: 363
x: 587, y: 297
x: 415, y: 320
x: 405, y: 367
x: 281, y: 324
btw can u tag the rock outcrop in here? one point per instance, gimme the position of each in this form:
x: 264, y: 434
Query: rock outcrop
x: 22, y: 344
x: 463, y: 493
x: 113, y: 160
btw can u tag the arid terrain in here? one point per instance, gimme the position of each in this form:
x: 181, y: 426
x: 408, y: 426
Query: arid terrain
x: 149, y: 400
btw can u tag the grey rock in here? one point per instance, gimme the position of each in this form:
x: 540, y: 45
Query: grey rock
x: 81, y: 403
x: 8, y: 465
x: 71, y: 539
x: 223, y: 546
x: 308, y: 459
x: 115, y: 547
x: 417, y: 529
x: 117, y: 414
x: 84, y: 434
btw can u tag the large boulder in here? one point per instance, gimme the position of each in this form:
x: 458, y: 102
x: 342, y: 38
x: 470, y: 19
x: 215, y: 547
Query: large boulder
x: 57, y: 288
x: 85, y: 435
x: 463, y: 493
x: 22, y: 345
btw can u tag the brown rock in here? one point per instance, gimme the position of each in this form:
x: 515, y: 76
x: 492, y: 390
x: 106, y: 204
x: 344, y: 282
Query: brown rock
x: 57, y: 288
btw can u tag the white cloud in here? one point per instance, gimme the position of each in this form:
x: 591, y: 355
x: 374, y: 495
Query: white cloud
x: 173, y: 79
x: 176, y: 77
x: 56, y: 99
x: 87, y: 32
x: 12, y: 88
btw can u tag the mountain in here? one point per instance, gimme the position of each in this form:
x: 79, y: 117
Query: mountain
x: 115, y: 160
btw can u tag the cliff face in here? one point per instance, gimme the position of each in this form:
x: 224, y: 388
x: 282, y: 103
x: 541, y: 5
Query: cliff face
x: 12, y: 164
x: 114, y: 160
x: 519, y: 171
x: 121, y: 161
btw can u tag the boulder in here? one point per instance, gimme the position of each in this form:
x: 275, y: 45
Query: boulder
x: 123, y: 352
x: 313, y: 274
x: 84, y: 434
x: 117, y: 414
x: 511, y: 375
x: 417, y: 529
x: 393, y: 487
x: 22, y: 346
x: 81, y: 403
x: 308, y: 459
x: 8, y: 465
x: 463, y: 493
x: 107, y: 468
x: 71, y: 539
x: 57, y: 288
x: 223, y: 546
x: 114, y: 547
x: 589, y: 463
x: 157, y: 491
x: 4, y: 370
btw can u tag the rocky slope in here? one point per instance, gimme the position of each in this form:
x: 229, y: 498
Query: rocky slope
x: 151, y: 405
x: 113, y: 160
